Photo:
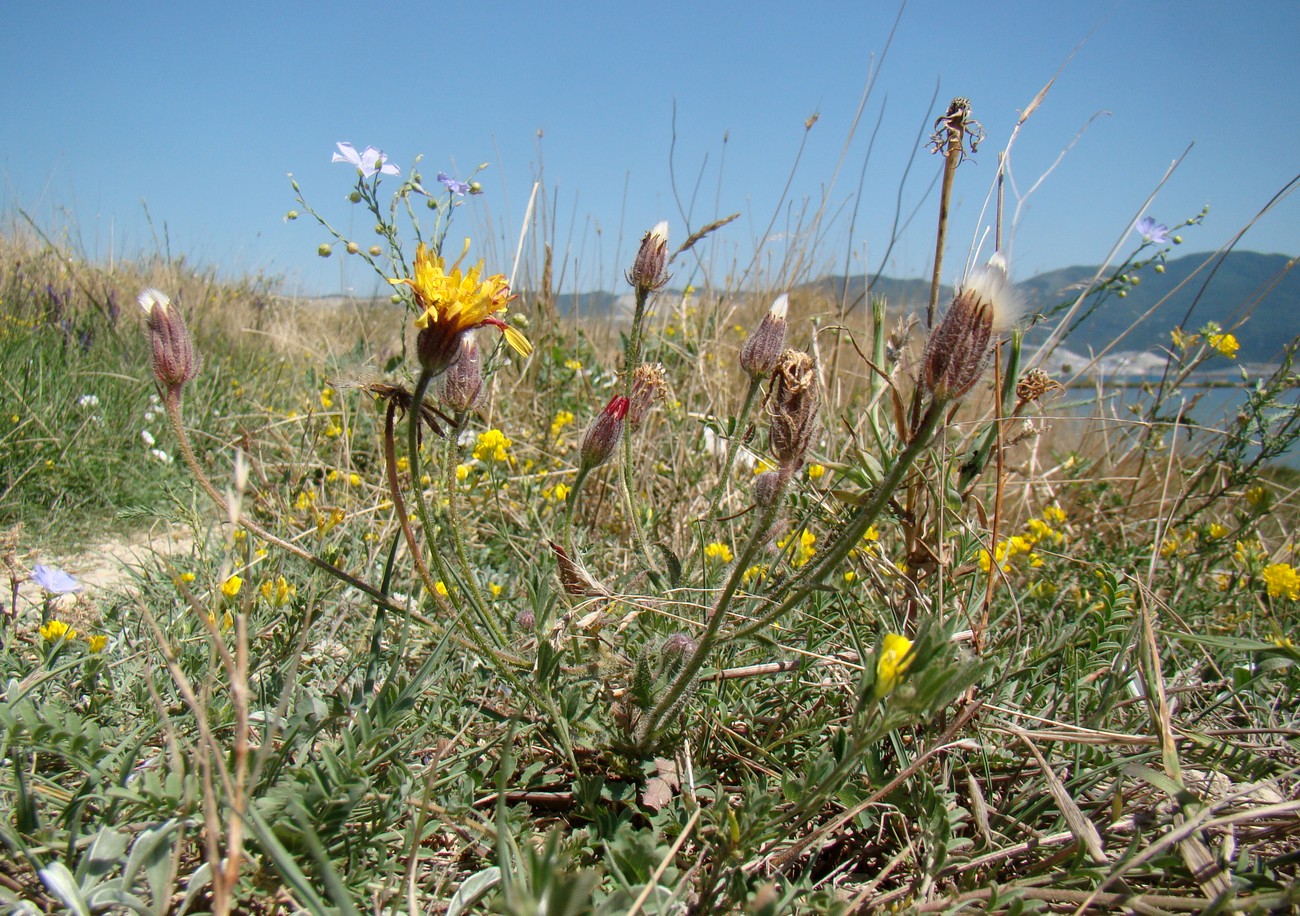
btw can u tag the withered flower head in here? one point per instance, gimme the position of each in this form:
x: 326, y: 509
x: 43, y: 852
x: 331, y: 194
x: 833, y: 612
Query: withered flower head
x: 762, y: 350
x: 959, y: 345
x: 604, y: 434
x: 768, y: 486
x: 174, y: 362
x: 462, y: 383
x: 574, y: 577
x: 792, y: 404
x: 648, y: 386
x: 647, y: 273
x: 1034, y: 384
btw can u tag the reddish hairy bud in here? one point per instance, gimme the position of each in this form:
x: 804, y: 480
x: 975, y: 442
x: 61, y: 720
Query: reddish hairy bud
x: 647, y: 273
x: 604, y: 434
x: 762, y: 351
x: 174, y: 362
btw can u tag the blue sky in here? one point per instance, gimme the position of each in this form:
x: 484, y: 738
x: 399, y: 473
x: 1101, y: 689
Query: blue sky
x: 199, y: 111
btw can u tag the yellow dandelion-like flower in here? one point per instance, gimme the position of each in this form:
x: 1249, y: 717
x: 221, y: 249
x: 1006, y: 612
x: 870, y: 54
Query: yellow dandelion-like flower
x: 718, y: 552
x: 1226, y: 344
x: 56, y: 630
x: 1282, y: 581
x: 453, y: 302
x: 816, y: 471
x: 894, y: 660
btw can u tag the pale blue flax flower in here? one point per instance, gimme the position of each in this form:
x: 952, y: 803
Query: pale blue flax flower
x: 459, y: 188
x: 368, y: 161
x: 54, y: 580
x: 1151, y: 231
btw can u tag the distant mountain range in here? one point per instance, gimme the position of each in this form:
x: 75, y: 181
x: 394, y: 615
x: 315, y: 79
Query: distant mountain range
x: 1209, y: 288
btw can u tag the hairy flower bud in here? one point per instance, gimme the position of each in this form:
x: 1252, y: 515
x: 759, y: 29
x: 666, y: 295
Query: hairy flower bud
x: 768, y: 486
x: 648, y: 385
x: 462, y: 383
x: 174, y: 362
x: 959, y: 345
x: 604, y: 434
x: 647, y: 273
x: 762, y: 350
x: 792, y: 405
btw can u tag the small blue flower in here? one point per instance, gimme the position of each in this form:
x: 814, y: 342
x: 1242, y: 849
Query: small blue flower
x: 459, y: 188
x: 368, y: 161
x: 1151, y: 231
x: 54, y: 580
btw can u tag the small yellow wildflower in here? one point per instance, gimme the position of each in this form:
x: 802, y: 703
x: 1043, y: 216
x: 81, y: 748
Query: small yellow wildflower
x: 227, y: 620
x: 1169, y: 546
x: 1216, y: 531
x: 327, y: 398
x: 850, y: 575
x: 403, y: 464
x: 1226, y: 344
x: 278, y: 592
x: 305, y: 500
x: 816, y: 471
x: 1257, y: 496
x: 354, y: 479
x: 1181, y: 339
x: 186, y: 577
x: 718, y: 552
x: 562, y: 419
x: 895, y: 658
x: 492, y: 444
x: 754, y: 572
x: 762, y: 466
x: 1282, y: 581
x: 574, y: 365
x: 440, y: 587
x: 556, y: 494
x: 872, y: 534
x: 96, y: 643
x: 56, y: 630
x: 495, y: 589
x: 230, y: 588
x: 1054, y: 515
x: 333, y: 431
x: 1223, y: 581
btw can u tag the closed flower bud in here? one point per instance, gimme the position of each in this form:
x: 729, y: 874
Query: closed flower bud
x: 174, y: 362
x: 647, y: 273
x: 353, y: 247
x: 679, y: 645
x: 762, y: 351
x: 324, y: 249
x: 525, y: 620
x: 648, y: 385
x: 604, y: 434
x: 768, y: 487
x: 435, y: 349
x: 462, y: 383
x: 792, y: 405
x: 959, y: 345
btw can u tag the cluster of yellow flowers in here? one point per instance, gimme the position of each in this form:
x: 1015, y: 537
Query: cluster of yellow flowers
x: 279, y: 592
x: 492, y: 445
x: 56, y: 630
x: 1036, y: 531
x: 562, y: 419
x: 718, y: 552
x: 1282, y: 581
x: 556, y: 494
x: 804, y: 551
x: 1224, y: 343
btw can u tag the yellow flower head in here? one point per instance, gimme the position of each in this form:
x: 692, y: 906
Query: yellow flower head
x: 1282, y: 581
x: 230, y: 588
x: 816, y: 471
x: 492, y: 444
x: 56, y: 630
x: 96, y: 643
x: 718, y: 552
x: 1226, y: 344
x: 453, y: 302
x: 895, y: 658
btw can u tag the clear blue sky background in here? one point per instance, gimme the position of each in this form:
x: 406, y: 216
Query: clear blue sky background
x: 199, y: 110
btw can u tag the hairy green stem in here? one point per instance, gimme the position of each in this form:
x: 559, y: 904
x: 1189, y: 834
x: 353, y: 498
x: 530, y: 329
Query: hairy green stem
x: 802, y: 585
